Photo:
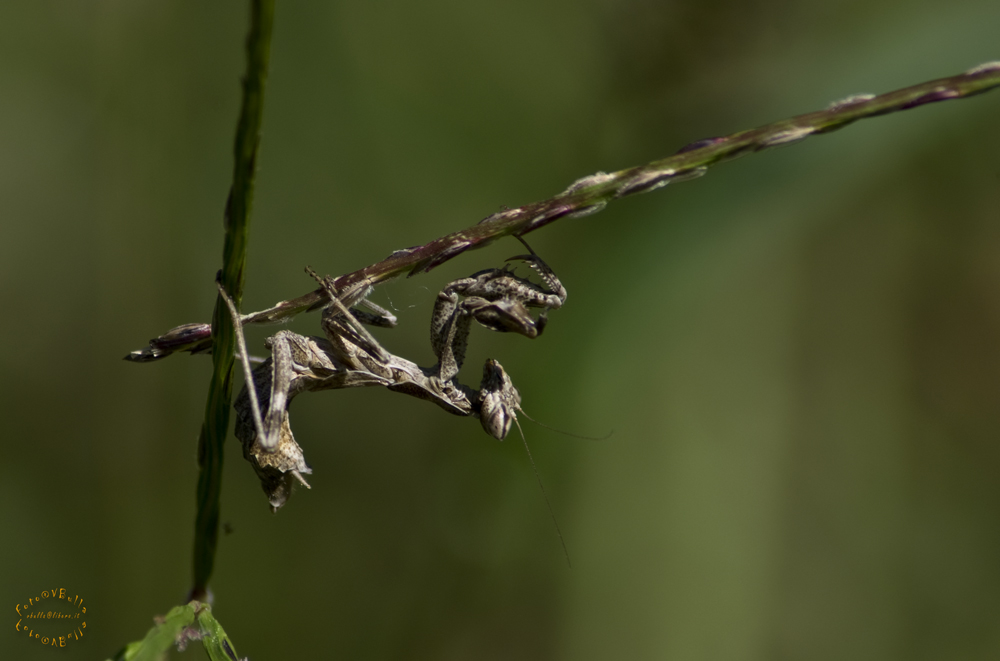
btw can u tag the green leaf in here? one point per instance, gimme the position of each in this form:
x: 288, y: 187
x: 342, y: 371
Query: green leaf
x: 162, y: 636
x: 179, y: 628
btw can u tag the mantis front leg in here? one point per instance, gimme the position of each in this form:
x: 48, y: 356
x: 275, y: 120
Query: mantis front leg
x: 496, y: 299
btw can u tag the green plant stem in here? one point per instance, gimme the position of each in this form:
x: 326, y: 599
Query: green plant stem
x: 591, y: 194
x: 237, y: 225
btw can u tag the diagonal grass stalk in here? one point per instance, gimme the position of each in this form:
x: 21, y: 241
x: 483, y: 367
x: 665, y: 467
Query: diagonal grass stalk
x: 591, y: 194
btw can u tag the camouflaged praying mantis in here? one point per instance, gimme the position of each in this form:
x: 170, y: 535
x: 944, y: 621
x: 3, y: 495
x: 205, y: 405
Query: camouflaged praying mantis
x: 348, y: 356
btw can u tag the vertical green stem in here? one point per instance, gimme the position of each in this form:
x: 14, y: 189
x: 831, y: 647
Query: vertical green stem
x: 237, y: 225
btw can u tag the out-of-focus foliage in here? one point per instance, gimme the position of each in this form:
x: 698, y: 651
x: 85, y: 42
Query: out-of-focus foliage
x: 799, y: 354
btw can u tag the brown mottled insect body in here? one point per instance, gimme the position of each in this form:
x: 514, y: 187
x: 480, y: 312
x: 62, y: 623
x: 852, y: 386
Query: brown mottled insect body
x: 348, y: 357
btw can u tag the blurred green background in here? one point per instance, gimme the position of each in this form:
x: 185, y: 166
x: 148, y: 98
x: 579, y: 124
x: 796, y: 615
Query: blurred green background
x: 799, y: 354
